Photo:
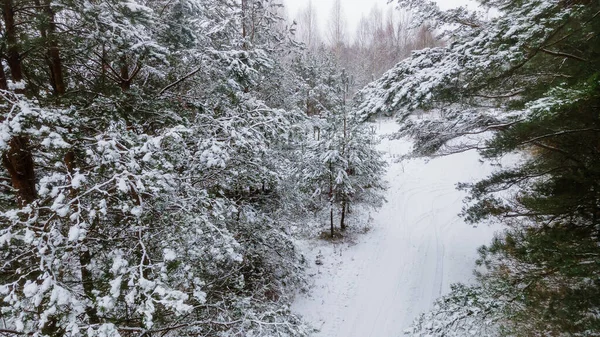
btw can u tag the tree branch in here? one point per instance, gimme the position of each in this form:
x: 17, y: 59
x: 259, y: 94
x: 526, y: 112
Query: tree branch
x: 558, y: 53
x: 179, y: 80
x: 13, y: 332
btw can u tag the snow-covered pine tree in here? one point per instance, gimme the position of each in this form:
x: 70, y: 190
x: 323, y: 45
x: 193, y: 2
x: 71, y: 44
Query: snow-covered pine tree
x: 136, y: 202
x: 340, y: 165
x: 531, y: 74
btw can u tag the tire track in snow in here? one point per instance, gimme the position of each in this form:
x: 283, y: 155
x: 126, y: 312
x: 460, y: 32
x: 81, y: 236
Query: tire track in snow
x: 417, y: 247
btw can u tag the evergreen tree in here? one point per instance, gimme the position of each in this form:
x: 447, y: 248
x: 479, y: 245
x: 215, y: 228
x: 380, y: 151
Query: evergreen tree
x: 142, y: 159
x: 147, y: 148
x: 340, y: 165
x: 530, y: 74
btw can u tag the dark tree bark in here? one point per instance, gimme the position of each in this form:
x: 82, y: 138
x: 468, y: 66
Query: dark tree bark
x: 331, y: 219
x: 125, y: 80
x: 13, y: 56
x: 87, y: 281
x: 48, y: 32
x: 18, y: 159
x: 343, y: 216
x: 3, y: 80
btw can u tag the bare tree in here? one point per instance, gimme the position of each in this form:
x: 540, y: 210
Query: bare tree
x: 382, y: 38
x: 424, y: 38
x: 362, y: 36
x: 403, y: 32
x: 309, y: 27
x: 337, y: 28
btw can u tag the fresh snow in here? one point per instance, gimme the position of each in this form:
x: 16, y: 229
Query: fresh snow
x: 416, y: 248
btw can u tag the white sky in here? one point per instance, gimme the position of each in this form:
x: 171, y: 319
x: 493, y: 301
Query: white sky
x: 353, y: 9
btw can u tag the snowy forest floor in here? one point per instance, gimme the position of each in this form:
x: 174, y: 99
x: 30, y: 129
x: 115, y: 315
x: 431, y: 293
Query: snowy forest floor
x: 416, y: 248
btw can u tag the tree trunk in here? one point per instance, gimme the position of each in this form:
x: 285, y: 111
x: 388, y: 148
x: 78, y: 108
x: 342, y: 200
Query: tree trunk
x: 125, y: 80
x: 343, y: 216
x: 331, y: 199
x: 345, y: 81
x: 52, y: 51
x: 13, y: 56
x: 18, y: 159
x: 245, y: 23
x: 3, y: 80
x: 331, y: 219
x: 87, y: 282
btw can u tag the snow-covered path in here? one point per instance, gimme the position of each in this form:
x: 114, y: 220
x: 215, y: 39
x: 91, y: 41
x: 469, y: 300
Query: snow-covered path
x: 417, y: 247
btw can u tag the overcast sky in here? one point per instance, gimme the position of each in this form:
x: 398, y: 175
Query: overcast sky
x: 353, y: 9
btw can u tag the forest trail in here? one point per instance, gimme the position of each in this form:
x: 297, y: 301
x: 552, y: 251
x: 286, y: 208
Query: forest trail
x: 417, y: 247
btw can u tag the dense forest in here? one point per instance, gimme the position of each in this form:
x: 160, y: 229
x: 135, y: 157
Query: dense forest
x: 160, y: 158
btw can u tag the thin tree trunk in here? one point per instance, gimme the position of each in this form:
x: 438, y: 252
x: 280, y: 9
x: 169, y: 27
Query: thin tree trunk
x: 52, y: 51
x: 125, y: 85
x: 245, y: 23
x: 125, y: 80
x: 307, y: 104
x: 331, y: 199
x: 345, y: 81
x: 87, y: 281
x: 343, y: 216
x: 3, y: 80
x: 331, y: 218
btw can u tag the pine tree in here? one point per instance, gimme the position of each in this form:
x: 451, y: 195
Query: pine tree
x: 141, y: 201
x: 340, y: 165
x: 531, y: 75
